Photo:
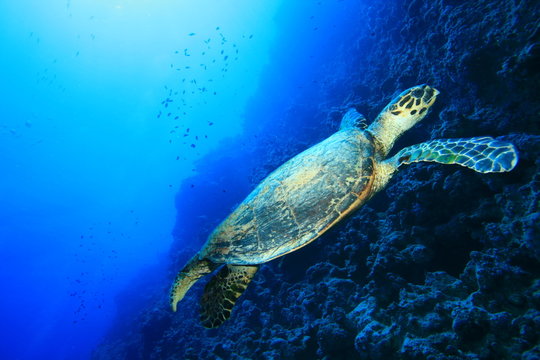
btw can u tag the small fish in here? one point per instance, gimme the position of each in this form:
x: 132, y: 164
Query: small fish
x: 191, y: 34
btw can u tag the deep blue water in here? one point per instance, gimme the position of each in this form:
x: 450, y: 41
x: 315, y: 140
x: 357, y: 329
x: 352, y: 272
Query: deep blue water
x: 130, y: 129
x: 106, y: 107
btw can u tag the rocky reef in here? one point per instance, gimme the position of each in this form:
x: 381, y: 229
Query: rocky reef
x: 443, y: 264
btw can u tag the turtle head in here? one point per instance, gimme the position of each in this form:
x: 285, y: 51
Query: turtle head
x: 400, y: 115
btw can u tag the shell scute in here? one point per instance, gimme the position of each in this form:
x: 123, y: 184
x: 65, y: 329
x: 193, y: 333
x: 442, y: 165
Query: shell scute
x: 297, y: 202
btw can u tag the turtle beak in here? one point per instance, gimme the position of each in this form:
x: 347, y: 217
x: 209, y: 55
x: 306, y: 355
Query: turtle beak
x: 430, y: 94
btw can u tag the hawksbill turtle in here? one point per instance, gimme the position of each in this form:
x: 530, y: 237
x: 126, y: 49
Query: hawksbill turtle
x: 316, y: 189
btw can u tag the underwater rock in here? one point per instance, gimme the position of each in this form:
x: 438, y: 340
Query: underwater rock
x: 444, y: 264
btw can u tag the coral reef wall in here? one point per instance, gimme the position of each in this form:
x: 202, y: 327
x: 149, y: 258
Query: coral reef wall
x: 443, y: 264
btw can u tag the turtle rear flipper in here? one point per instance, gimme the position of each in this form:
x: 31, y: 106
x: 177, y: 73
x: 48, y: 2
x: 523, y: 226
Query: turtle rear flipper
x: 222, y: 291
x: 482, y: 154
x: 193, y: 271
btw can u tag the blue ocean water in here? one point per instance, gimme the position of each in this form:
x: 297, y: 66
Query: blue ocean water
x: 106, y: 108
x: 92, y: 159
x: 130, y: 129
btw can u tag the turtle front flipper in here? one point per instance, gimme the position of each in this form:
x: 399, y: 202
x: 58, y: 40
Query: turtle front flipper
x: 222, y: 291
x: 354, y: 119
x: 482, y: 154
x: 193, y: 271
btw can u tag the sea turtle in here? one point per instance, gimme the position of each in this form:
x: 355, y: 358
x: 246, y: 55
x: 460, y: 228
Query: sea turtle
x: 313, y: 191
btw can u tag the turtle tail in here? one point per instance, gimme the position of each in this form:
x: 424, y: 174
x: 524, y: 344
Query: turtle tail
x: 482, y: 154
x: 222, y: 291
x: 193, y: 271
